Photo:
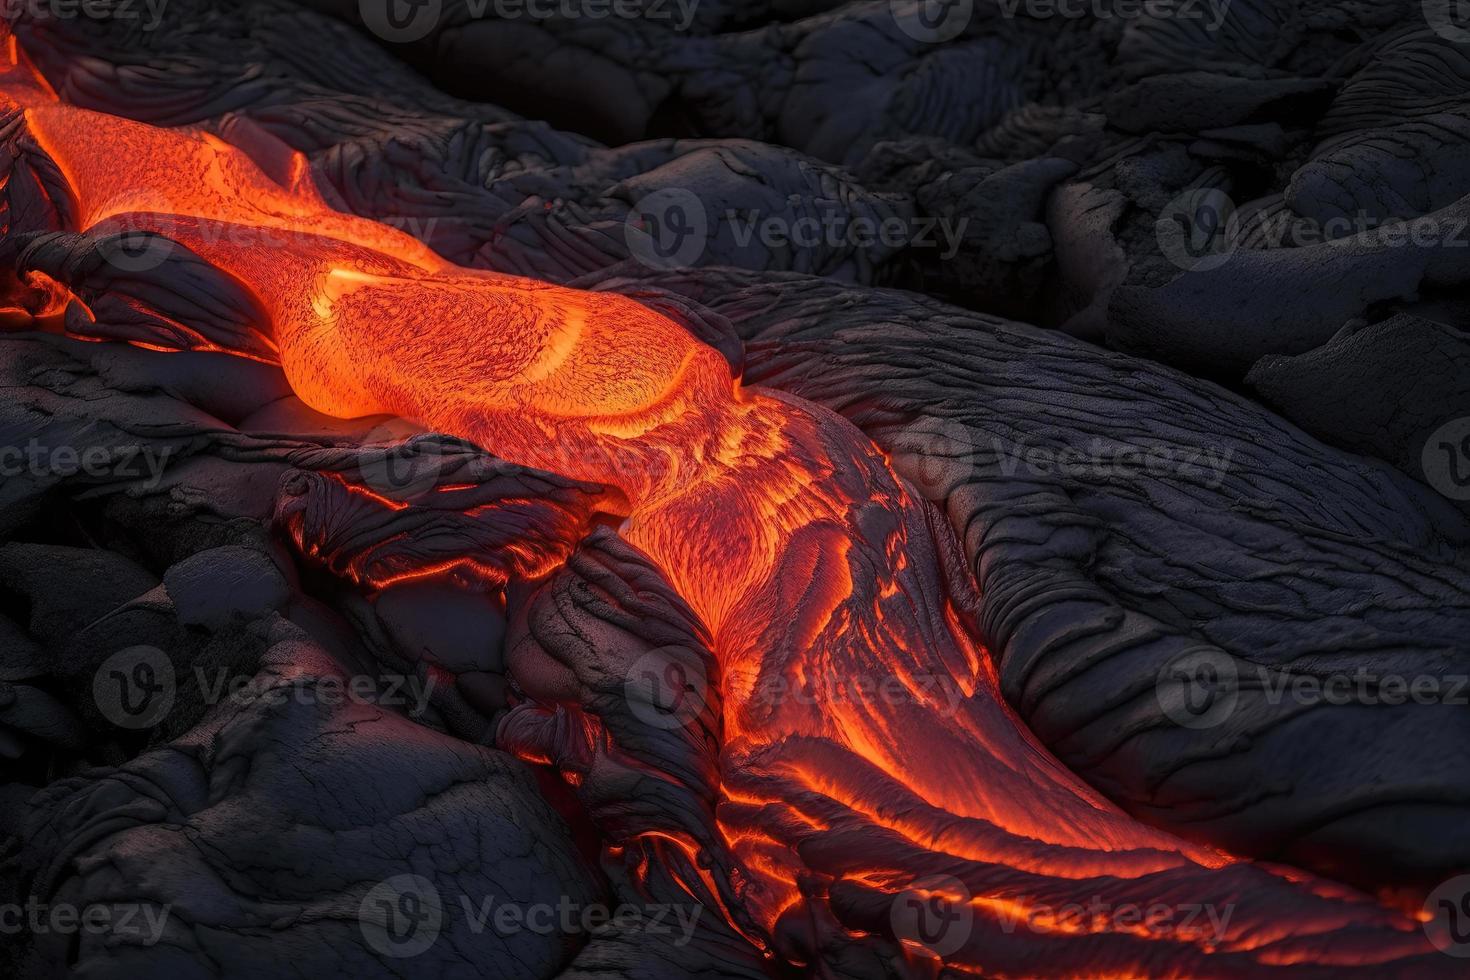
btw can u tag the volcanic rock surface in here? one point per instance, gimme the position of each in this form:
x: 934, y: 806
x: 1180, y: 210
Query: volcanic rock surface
x: 1168, y: 348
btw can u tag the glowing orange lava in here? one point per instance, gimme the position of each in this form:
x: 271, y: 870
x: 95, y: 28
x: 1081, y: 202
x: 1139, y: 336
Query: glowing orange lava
x: 807, y: 558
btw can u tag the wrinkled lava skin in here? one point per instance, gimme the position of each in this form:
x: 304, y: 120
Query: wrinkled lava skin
x: 783, y: 527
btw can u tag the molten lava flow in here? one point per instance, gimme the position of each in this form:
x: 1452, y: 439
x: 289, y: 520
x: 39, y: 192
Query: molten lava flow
x: 807, y: 558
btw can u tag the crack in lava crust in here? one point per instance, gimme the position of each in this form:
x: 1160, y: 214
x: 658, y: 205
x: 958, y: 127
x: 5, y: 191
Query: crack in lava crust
x: 786, y: 531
